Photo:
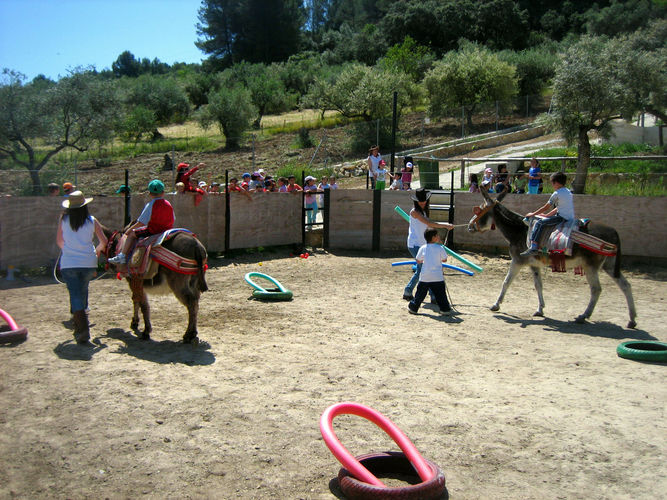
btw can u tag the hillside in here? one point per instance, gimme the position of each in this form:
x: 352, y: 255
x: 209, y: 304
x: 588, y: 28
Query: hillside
x: 271, y: 153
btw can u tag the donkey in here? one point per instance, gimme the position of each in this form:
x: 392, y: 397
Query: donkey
x: 186, y: 287
x: 515, y: 231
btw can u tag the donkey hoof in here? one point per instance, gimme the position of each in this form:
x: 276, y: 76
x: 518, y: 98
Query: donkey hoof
x: 495, y: 307
x: 632, y: 323
x: 539, y: 314
x: 145, y: 335
x: 580, y: 319
x: 134, y: 325
x: 193, y: 341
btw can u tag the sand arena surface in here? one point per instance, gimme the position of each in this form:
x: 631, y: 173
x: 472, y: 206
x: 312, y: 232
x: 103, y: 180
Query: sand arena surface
x: 509, y: 406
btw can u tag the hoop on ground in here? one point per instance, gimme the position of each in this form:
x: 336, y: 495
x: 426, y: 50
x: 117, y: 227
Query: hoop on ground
x: 278, y: 293
x: 13, y: 333
x: 428, y: 473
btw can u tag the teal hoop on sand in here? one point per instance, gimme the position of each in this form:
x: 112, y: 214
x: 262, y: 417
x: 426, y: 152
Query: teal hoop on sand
x: 278, y: 293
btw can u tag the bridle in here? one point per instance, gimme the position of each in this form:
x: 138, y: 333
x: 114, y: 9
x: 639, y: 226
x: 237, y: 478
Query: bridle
x: 480, y: 212
x: 107, y: 250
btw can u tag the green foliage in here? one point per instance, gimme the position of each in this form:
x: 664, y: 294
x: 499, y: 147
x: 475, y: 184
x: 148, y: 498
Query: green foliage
x: 468, y: 77
x: 360, y: 91
x: 263, y: 31
x: 535, y: 68
x: 231, y: 108
x: 73, y: 113
x: 409, y: 58
x: 303, y: 138
x: 139, y: 121
x: 622, y: 16
x: 608, y: 149
x: 161, y: 95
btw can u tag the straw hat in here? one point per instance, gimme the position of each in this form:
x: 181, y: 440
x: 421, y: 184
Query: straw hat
x: 76, y: 200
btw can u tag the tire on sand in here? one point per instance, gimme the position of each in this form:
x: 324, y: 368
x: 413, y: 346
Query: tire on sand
x: 388, y: 464
x: 643, y: 351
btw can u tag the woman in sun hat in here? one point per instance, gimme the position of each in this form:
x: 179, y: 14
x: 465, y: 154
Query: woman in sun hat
x: 419, y: 222
x: 78, y: 262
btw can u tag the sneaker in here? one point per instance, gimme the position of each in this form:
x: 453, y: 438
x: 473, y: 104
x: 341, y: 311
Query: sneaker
x: 118, y: 259
x: 530, y: 252
x: 411, y: 311
x: 408, y: 297
x: 448, y: 312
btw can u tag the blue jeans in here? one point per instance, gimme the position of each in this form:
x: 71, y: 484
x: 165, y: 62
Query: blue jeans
x: 77, y: 279
x: 533, y: 189
x: 311, y: 215
x: 554, y: 220
x: 437, y: 289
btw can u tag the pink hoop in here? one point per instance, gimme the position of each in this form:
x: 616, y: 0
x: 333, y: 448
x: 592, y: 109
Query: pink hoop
x: 352, y: 464
x: 9, y: 320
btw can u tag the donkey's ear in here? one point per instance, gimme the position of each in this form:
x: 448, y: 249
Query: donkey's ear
x: 502, y: 195
x: 485, y: 193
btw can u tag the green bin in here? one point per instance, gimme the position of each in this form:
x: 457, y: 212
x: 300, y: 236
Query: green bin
x: 429, y: 174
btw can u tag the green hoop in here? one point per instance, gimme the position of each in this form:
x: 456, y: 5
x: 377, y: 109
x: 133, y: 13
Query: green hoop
x: 278, y: 293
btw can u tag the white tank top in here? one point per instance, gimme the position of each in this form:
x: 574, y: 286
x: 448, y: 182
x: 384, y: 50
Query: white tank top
x: 416, y: 232
x: 78, y: 250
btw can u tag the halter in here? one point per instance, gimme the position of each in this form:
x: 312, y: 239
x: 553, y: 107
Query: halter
x: 479, y: 213
x: 107, y: 249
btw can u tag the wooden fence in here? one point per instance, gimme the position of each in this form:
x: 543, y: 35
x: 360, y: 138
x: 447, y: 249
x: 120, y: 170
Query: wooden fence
x: 28, y: 224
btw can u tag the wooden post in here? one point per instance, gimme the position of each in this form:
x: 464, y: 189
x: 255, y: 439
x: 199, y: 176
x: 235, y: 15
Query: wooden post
x: 377, y: 212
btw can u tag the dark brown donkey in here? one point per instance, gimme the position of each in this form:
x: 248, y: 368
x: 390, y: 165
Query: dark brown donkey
x: 186, y: 287
x: 515, y: 231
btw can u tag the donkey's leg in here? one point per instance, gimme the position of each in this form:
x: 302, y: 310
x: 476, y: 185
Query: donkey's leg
x: 626, y: 288
x: 511, y: 274
x: 593, y: 278
x: 186, y: 291
x: 140, y: 302
x: 537, y: 281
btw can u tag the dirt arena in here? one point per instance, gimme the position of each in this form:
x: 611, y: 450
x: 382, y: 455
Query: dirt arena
x: 508, y: 405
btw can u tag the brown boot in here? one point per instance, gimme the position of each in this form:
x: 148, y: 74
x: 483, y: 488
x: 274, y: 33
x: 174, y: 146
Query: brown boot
x: 81, y: 327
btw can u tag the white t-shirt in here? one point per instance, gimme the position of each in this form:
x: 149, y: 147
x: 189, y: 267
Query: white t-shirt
x: 375, y: 162
x: 381, y: 174
x: 416, y: 233
x: 78, y: 250
x: 433, y: 254
x: 563, y: 201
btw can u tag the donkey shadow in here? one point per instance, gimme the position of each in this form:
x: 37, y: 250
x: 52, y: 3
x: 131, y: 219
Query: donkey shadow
x: 163, y: 351
x: 591, y: 328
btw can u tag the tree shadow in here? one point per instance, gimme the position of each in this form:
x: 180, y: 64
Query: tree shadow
x: 164, y: 351
x: 593, y: 329
x: 72, y: 351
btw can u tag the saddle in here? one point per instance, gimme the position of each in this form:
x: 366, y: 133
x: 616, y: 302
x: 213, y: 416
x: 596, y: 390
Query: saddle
x: 148, y: 254
x: 558, y: 241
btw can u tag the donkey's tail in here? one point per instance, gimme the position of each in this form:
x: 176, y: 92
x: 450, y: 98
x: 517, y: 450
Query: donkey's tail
x: 201, y: 258
x: 617, y: 262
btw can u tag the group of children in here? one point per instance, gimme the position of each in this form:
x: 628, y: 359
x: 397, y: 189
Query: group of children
x: 378, y: 173
x: 502, y: 181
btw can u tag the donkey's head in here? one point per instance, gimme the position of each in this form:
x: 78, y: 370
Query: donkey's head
x: 482, y: 219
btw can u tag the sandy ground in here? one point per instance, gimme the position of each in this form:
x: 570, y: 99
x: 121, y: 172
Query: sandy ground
x: 508, y: 405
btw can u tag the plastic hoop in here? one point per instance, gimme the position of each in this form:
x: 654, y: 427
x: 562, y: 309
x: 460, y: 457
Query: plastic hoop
x: 447, y: 266
x: 352, y: 464
x: 278, y: 293
x: 15, y: 334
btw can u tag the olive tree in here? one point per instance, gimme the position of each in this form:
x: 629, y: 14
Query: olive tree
x: 41, y: 118
x: 466, y: 78
x: 231, y: 108
x: 600, y: 80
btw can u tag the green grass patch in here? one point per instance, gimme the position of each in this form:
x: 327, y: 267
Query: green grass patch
x: 617, y: 166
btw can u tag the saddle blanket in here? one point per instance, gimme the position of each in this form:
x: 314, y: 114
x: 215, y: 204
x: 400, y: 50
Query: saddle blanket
x: 149, y: 253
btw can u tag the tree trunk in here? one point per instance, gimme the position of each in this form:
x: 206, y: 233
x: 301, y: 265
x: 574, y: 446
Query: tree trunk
x: 36, y: 184
x: 583, y: 161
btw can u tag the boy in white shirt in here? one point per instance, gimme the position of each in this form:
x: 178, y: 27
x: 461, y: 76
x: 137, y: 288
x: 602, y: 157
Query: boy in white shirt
x: 563, y: 210
x: 431, y: 256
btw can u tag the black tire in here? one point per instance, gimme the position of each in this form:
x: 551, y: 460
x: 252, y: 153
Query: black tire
x: 8, y: 336
x: 639, y: 350
x: 274, y: 294
x: 387, y: 463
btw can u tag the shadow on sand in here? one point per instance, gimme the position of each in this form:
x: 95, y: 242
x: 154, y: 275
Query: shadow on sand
x: 594, y: 328
x: 164, y: 351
